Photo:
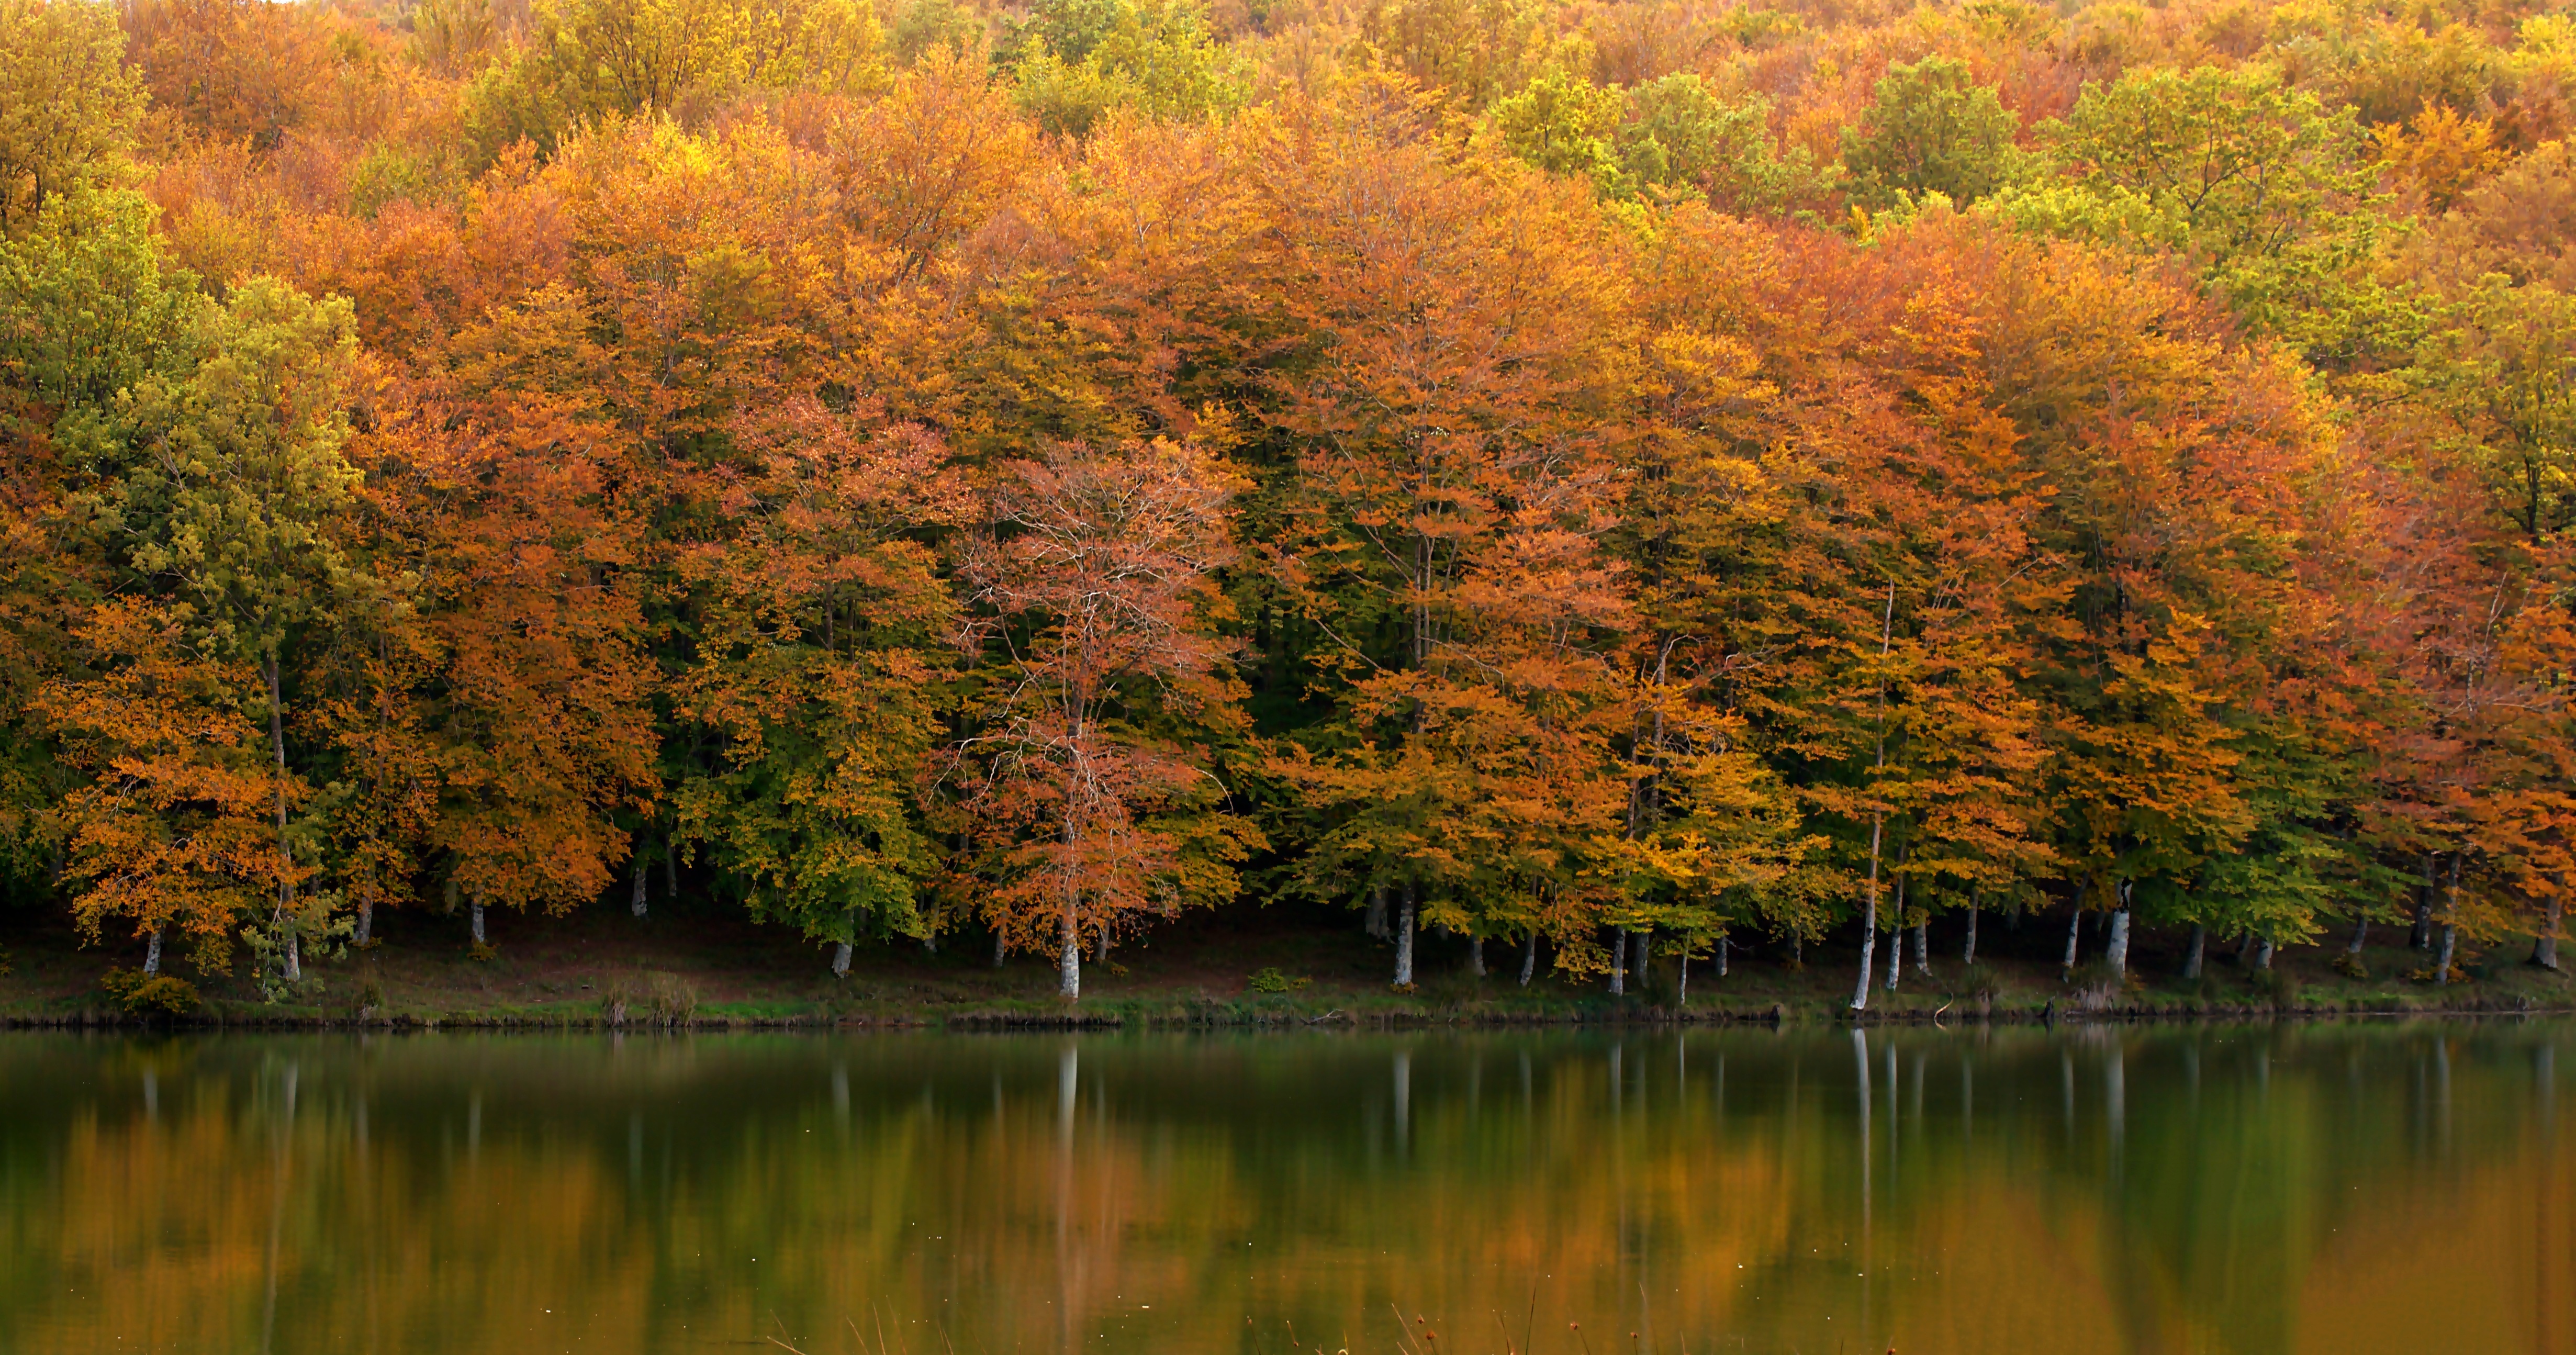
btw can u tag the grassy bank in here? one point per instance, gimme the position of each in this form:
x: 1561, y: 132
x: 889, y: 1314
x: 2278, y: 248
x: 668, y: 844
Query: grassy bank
x: 606, y: 967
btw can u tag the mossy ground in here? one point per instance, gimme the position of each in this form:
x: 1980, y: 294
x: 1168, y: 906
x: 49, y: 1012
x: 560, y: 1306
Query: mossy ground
x: 565, y: 971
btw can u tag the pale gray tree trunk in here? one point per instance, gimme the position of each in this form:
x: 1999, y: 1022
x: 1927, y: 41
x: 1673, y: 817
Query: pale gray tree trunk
x: 2263, y: 956
x: 2360, y: 935
x: 2450, y: 943
x: 1619, y: 963
x: 840, y: 958
x: 1681, y: 982
x: 1877, y: 818
x: 2116, y: 950
x: 2074, y: 935
x: 1476, y: 956
x: 366, y: 917
x: 2544, y: 947
x: 2199, y: 944
x: 1721, y: 955
x: 642, y: 870
x: 474, y: 918
x: 152, y: 953
x: 1529, y: 956
x: 1404, y: 940
x: 1069, y: 962
x: 293, y: 956
x: 1374, y: 922
x: 1896, y: 929
x: 1000, y: 940
x: 1923, y: 946
x: 1069, y: 959
x: 1868, y: 948
x: 1968, y: 948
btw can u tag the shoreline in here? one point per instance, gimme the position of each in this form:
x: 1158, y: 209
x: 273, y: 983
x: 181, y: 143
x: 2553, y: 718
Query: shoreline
x: 604, y: 971
x: 1236, y: 1018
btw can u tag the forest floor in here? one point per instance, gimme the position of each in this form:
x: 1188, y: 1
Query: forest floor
x: 684, y: 965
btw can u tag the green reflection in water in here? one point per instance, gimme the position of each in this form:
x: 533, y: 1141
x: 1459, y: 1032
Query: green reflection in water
x: 2236, y: 1189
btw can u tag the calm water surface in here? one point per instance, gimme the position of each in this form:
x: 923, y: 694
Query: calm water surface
x: 2253, y: 1189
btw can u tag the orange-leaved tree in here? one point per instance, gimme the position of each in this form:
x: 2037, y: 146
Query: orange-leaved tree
x: 1450, y: 405
x: 173, y: 828
x: 1092, y: 801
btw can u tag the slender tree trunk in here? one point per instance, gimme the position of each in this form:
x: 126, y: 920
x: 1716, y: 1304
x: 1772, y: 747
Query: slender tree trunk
x: 1375, y: 922
x: 1923, y: 946
x: 2360, y: 935
x: 2263, y: 956
x: 930, y: 944
x: 1896, y: 928
x: 670, y: 870
x: 2192, y: 957
x: 1529, y: 956
x: 2544, y: 948
x: 2422, y: 939
x: 2074, y: 935
x: 366, y: 916
x: 1001, y: 939
x: 1877, y: 816
x: 1968, y: 948
x: 1721, y: 955
x: 1619, y: 963
x: 474, y: 918
x: 1638, y: 949
x: 292, y: 956
x: 1798, y: 952
x: 1476, y: 956
x: 642, y: 870
x: 1681, y: 994
x: 2116, y: 951
x: 152, y: 952
x: 1069, y: 958
x: 1868, y: 945
x: 1404, y: 940
x: 840, y: 959
x: 2450, y: 942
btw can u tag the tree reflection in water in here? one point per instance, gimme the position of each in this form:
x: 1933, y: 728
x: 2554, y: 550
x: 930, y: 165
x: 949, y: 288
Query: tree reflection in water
x: 2237, y: 1189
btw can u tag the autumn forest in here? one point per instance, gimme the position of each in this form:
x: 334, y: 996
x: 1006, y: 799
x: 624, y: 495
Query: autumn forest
x: 1594, y: 478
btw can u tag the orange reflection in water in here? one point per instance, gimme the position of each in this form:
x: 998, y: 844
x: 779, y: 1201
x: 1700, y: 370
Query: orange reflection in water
x: 2228, y: 1190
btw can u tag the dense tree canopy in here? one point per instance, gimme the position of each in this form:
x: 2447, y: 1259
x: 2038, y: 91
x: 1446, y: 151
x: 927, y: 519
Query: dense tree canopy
x: 1584, y: 476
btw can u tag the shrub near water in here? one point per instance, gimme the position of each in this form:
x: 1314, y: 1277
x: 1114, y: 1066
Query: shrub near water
x: 144, y: 994
x: 657, y: 1000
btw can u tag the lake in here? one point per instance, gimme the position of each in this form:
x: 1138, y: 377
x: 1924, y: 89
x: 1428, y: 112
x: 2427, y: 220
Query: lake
x: 2244, y: 1188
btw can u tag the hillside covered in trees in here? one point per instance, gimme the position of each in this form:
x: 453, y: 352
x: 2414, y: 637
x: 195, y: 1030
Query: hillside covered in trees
x: 1583, y: 476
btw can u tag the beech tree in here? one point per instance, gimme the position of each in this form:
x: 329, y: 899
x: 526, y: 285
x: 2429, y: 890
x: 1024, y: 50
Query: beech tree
x: 224, y: 484
x: 1444, y: 449
x: 174, y: 827
x: 1094, y: 588
x: 575, y: 442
